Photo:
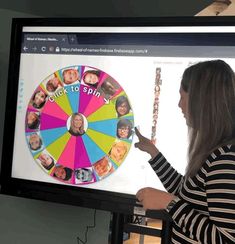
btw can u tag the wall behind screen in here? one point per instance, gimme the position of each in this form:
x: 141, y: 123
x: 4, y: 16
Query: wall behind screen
x: 25, y: 221
x: 107, y: 8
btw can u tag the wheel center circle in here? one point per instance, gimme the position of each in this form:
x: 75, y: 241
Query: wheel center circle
x: 77, y: 124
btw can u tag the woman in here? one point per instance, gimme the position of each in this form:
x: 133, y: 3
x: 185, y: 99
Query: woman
x: 201, y: 203
x: 32, y: 120
x: 71, y: 76
x: 77, y: 125
x: 53, y: 84
x: 103, y: 167
x: 124, y: 129
x: 39, y: 99
x: 46, y: 161
x: 122, y: 106
x: 118, y: 151
x: 35, y: 142
x: 91, y: 77
x: 62, y: 173
x: 108, y: 87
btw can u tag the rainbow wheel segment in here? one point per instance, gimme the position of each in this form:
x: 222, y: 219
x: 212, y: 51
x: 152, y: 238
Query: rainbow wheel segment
x: 58, y: 75
x: 82, y: 68
x: 67, y: 156
x: 94, y: 152
x: 61, y: 99
x: 81, y: 155
x: 51, y: 135
x: 55, y: 110
x: 94, y: 104
x: 106, y: 112
x: 73, y: 97
x: 99, y: 99
x: 57, y: 147
x: 108, y: 127
x: 86, y: 95
x: 82, y: 166
x: 83, y: 171
x: 102, y: 140
x: 50, y: 122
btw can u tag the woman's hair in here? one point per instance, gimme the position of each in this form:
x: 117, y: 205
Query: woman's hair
x: 94, y: 72
x: 66, y: 71
x: 68, y: 173
x: 125, y: 123
x: 120, y: 100
x: 72, y: 129
x: 39, y: 146
x: 105, y: 86
x: 211, y: 109
x: 35, y: 123
x: 40, y: 105
x: 121, y: 145
x: 50, y: 86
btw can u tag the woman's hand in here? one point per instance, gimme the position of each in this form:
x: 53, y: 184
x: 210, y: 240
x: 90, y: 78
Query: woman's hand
x: 145, y: 144
x: 152, y: 198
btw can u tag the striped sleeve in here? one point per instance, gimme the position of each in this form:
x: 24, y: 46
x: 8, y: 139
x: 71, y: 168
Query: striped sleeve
x: 169, y: 177
x: 219, y: 225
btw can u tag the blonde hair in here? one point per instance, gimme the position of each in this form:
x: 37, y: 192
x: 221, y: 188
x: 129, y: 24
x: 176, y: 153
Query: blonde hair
x: 211, y: 110
x: 124, y: 147
x: 81, y: 128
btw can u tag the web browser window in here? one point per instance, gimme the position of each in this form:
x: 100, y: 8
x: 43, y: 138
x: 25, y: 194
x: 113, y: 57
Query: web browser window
x: 82, y: 90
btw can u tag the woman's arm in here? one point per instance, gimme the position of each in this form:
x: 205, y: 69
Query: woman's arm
x: 170, y: 178
x: 219, y: 225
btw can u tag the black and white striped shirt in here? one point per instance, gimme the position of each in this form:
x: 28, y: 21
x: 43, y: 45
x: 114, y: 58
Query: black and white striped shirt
x: 204, y: 211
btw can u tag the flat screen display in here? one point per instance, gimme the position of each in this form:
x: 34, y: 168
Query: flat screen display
x: 80, y: 90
